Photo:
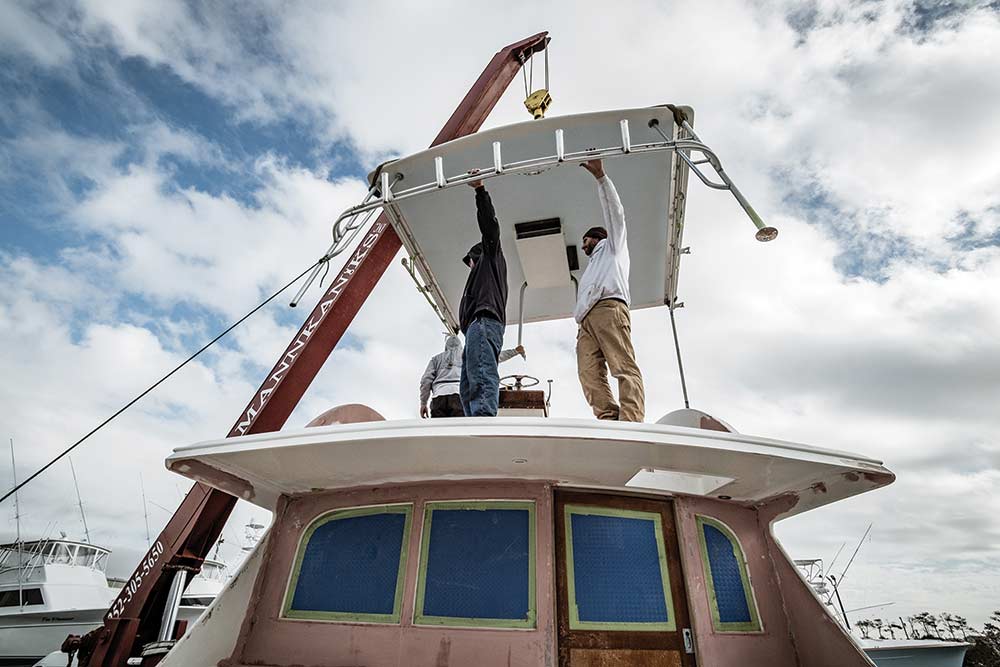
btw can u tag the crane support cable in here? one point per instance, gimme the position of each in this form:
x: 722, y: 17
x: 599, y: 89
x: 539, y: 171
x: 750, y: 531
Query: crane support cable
x: 322, y: 260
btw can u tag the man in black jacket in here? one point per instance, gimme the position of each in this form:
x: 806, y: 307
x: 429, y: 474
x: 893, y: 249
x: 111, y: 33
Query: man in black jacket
x: 483, y: 313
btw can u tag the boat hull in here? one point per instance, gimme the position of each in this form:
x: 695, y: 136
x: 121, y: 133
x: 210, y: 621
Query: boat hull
x: 26, y: 638
x: 920, y: 654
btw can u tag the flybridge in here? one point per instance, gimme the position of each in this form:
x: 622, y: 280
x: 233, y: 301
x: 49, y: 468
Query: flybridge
x: 655, y: 458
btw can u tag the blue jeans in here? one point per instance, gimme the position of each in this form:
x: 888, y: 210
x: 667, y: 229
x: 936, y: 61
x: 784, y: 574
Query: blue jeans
x: 480, y: 383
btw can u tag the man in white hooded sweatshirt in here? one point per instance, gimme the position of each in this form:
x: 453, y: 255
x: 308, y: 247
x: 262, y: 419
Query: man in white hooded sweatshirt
x: 604, y: 339
x: 440, y: 380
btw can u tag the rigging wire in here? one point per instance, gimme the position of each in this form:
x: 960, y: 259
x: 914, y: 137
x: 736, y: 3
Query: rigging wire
x: 524, y: 77
x: 322, y: 260
x: 531, y: 66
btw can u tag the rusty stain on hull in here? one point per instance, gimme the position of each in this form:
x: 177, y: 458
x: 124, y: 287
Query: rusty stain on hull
x: 444, y: 652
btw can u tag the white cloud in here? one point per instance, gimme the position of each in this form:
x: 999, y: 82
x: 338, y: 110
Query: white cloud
x: 23, y: 33
x: 183, y: 244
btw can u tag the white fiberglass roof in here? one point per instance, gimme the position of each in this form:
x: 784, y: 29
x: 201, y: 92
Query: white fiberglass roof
x: 573, y: 452
x: 438, y: 227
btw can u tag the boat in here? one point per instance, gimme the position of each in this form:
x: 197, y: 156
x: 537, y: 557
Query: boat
x: 523, y: 539
x: 49, y: 588
x: 202, y: 590
x: 892, y: 652
x: 61, y: 587
x: 573, y: 538
x: 199, y: 593
x: 915, y: 652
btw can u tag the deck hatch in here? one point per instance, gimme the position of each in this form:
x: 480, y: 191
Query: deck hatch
x: 617, y: 573
x: 730, y: 595
x: 477, y: 565
x: 350, y: 566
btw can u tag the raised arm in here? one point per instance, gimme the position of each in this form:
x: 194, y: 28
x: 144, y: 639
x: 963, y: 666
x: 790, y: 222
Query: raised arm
x: 487, y: 218
x: 611, y: 205
x: 614, y: 212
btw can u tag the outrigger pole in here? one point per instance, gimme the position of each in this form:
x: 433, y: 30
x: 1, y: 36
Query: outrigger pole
x: 135, y: 616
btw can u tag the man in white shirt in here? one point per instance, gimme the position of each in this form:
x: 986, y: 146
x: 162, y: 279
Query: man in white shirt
x: 440, y: 380
x: 604, y: 339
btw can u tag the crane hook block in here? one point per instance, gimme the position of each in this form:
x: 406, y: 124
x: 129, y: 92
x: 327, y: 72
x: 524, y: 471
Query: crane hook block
x: 538, y: 103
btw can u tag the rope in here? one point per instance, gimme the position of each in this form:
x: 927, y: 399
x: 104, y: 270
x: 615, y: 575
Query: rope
x: 524, y: 76
x: 322, y: 260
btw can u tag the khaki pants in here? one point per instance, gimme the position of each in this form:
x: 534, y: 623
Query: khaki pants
x: 604, y: 342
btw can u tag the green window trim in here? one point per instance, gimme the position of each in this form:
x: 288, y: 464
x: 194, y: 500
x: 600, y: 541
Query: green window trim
x: 453, y: 621
x: 349, y: 617
x: 574, y: 615
x: 754, y: 624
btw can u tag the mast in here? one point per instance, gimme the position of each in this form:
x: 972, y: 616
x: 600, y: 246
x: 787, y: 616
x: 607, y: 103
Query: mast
x: 145, y: 509
x: 133, y: 619
x: 79, y: 502
x: 17, y: 522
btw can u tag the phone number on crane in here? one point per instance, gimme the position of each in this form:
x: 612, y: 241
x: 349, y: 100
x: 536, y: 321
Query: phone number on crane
x: 133, y: 584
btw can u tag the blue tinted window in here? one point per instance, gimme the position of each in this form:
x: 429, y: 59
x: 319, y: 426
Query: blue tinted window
x: 732, y: 603
x: 350, y: 566
x: 478, y: 565
x: 618, y: 569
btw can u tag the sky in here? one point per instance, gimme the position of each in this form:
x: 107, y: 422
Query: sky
x: 164, y: 166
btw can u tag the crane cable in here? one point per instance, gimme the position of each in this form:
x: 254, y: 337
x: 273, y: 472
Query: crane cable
x: 325, y: 259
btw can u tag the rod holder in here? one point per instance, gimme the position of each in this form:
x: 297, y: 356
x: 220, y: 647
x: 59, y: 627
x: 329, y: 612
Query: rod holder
x: 497, y: 160
x: 560, y: 146
x: 626, y: 139
x: 439, y: 172
x: 386, y: 191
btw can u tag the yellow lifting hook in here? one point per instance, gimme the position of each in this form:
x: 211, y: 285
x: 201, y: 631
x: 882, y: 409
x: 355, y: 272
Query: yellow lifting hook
x: 538, y: 103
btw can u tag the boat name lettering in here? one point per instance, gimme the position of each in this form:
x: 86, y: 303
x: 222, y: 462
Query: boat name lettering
x: 133, y: 584
x: 330, y: 298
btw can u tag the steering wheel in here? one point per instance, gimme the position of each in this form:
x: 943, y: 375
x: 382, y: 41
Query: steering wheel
x: 518, y: 382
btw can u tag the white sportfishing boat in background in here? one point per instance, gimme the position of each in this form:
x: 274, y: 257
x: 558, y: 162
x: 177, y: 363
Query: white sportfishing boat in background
x: 915, y: 652
x: 202, y: 590
x: 883, y: 652
x: 61, y: 588
x: 49, y: 589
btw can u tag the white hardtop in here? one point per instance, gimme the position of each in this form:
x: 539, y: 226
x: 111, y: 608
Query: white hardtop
x: 32, y: 558
x: 49, y: 544
x: 574, y: 452
x: 209, y: 582
x: 440, y: 226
